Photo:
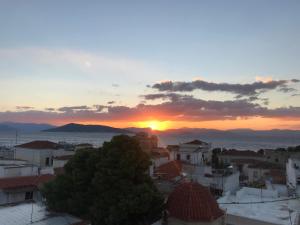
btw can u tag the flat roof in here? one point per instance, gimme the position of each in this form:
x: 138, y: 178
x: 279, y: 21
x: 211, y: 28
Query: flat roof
x: 273, y: 212
x: 21, y: 215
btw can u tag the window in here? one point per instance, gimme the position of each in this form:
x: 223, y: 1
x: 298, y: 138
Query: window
x: 47, y: 161
x: 29, y: 195
x: 255, y: 174
x: 178, y: 156
x: 276, y: 160
x: 188, y: 157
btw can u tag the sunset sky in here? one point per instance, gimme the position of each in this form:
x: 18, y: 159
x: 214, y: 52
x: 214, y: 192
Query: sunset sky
x: 164, y: 64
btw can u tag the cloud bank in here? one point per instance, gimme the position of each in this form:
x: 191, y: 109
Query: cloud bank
x: 240, y: 90
x: 177, y: 108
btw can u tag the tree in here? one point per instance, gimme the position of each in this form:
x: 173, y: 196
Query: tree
x: 125, y: 193
x: 110, y: 186
x: 70, y: 192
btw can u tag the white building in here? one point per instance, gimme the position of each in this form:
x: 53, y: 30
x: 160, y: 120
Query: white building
x: 195, y: 152
x: 22, y: 188
x: 258, y: 171
x: 293, y: 173
x: 227, y: 182
x: 252, y: 206
x: 40, y: 153
x: 6, y: 153
x: 61, y: 161
x: 220, y: 181
x: 15, y: 170
x: 227, y: 156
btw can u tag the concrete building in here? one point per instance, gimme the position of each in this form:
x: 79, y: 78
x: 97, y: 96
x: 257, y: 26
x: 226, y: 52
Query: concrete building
x: 22, y: 188
x: 223, y: 182
x: 167, y: 176
x: 252, y: 170
x: 192, y: 204
x: 40, y: 153
x: 219, y: 181
x: 6, y: 153
x: 60, y: 161
x: 227, y: 156
x: 83, y: 146
x: 279, y: 157
x: 195, y: 152
x: 16, y: 170
x: 293, y: 174
x: 160, y: 156
x: 147, y: 142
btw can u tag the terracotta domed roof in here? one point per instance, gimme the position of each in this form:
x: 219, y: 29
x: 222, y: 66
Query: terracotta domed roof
x: 192, y: 202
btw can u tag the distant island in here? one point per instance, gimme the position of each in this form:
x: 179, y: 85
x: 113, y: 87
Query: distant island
x: 73, y: 127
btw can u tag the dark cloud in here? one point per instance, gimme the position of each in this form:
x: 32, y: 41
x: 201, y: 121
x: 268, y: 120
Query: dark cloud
x: 73, y: 108
x: 99, y: 108
x: 24, y: 107
x: 165, y: 96
x: 115, y: 85
x: 287, y: 89
x: 50, y: 109
x: 241, y: 90
x: 111, y: 102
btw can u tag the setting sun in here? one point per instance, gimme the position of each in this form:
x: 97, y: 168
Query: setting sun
x: 154, y: 124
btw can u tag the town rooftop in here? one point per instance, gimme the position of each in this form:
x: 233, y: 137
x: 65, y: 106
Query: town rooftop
x: 274, y: 210
x: 21, y: 215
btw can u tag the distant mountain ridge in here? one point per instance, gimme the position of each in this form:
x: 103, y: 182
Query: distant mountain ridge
x: 234, y: 134
x: 73, y: 127
x: 24, y: 127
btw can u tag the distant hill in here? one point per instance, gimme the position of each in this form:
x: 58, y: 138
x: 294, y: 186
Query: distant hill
x: 24, y: 127
x: 73, y: 127
x: 5, y: 128
x: 137, y: 129
x: 238, y: 135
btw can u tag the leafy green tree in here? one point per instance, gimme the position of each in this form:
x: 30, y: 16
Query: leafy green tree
x: 70, y: 192
x: 110, y: 186
x: 125, y: 193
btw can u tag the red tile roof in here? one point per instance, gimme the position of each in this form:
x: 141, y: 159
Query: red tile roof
x: 24, y: 181
x: 39, y: 145
x: 192, y: 202
x: 169, y: 171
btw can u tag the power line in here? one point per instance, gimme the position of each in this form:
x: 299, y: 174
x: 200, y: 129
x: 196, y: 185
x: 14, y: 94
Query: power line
x: 258, y: 202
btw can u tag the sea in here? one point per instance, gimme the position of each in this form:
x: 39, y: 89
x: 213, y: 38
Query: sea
x: 10, y: 139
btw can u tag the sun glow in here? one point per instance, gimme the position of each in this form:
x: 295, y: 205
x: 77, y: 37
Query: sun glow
x: 154, y: 124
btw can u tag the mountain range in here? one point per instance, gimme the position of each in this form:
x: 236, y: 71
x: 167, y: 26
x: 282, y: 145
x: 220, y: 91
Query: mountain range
x: 239, y: 134
x: 23, y: 127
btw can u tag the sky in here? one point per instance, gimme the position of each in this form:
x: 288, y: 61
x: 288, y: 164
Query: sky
x: 165, y: 64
